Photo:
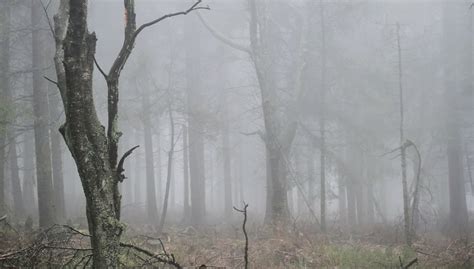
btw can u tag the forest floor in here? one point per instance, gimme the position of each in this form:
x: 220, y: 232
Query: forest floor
x: 297, y: 247
x: 304, y: 248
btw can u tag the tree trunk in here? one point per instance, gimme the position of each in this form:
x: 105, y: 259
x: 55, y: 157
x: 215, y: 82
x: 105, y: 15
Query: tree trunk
x: 151, y: 205
x: 351, y: 205
x: 44, y: 174
x: 322, y: 120
x: 169, y: 174
x: 4, y: 94
x: 457, y: 195
x: 196, y: 139
x: 2, y: 173
x: 15, y: 178
x: 342, y: 193
x: 56, y: 154
x: 278, y: 193
x: 29, y: 182
x: 86, y: 138
x: 458, y: 72
x: 137, y: 182
x: 311, y: 176
x: 94, y: 149
x: 227, y: 159
x: 406, y: 205
x: 186, y: 206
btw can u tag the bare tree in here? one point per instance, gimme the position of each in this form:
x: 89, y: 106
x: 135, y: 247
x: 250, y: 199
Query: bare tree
x: 93, y: 147
x: 280, y: 126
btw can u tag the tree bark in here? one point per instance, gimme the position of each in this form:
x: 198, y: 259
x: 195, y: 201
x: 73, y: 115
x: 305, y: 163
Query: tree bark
x: 95, y: 149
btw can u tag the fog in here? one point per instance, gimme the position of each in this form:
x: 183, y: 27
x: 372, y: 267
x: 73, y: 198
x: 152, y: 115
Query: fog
x: 328, y: 118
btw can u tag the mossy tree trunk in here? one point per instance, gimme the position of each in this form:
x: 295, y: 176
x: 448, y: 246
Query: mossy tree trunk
x: 93, y: 147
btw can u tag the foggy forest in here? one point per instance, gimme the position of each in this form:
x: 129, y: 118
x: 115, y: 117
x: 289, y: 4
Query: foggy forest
x: 236, y: 134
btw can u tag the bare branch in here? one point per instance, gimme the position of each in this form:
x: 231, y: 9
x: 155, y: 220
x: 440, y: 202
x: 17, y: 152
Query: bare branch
x: 222, y: 38
x: 166, y: 259
x: 100, y: 69
x: 246, y: 250
x: 258, y: 132
x: 52, y: 81
x: 192, y: 8
x: 45, y: 10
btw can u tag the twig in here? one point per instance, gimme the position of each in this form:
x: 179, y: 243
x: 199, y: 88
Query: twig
x: 415, y: 260
x: 50, y: 80
x: 246, y: 251
x: 167, y: 260
x: 101, y: 70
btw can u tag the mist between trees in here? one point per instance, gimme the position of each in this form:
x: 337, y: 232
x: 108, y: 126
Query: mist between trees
x: 315, y: 118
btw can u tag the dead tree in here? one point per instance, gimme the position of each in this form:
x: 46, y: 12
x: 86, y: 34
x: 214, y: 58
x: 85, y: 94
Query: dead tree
x: 244, y: 229
x: 93, y: 146
x: 406, y: 206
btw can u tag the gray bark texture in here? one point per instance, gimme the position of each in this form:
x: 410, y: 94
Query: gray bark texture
x: 93, y: 147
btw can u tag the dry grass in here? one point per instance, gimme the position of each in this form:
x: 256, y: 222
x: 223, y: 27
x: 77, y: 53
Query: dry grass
x: 310, y: 249
x: 296, y: 247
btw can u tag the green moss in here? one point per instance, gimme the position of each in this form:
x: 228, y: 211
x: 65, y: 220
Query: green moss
x: 349, y: 256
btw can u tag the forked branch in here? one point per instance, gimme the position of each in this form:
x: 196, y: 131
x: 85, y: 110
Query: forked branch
x: 246, y: 250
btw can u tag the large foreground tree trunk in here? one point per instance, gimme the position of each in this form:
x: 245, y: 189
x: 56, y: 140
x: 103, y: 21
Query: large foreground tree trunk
x: 95, y: 149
